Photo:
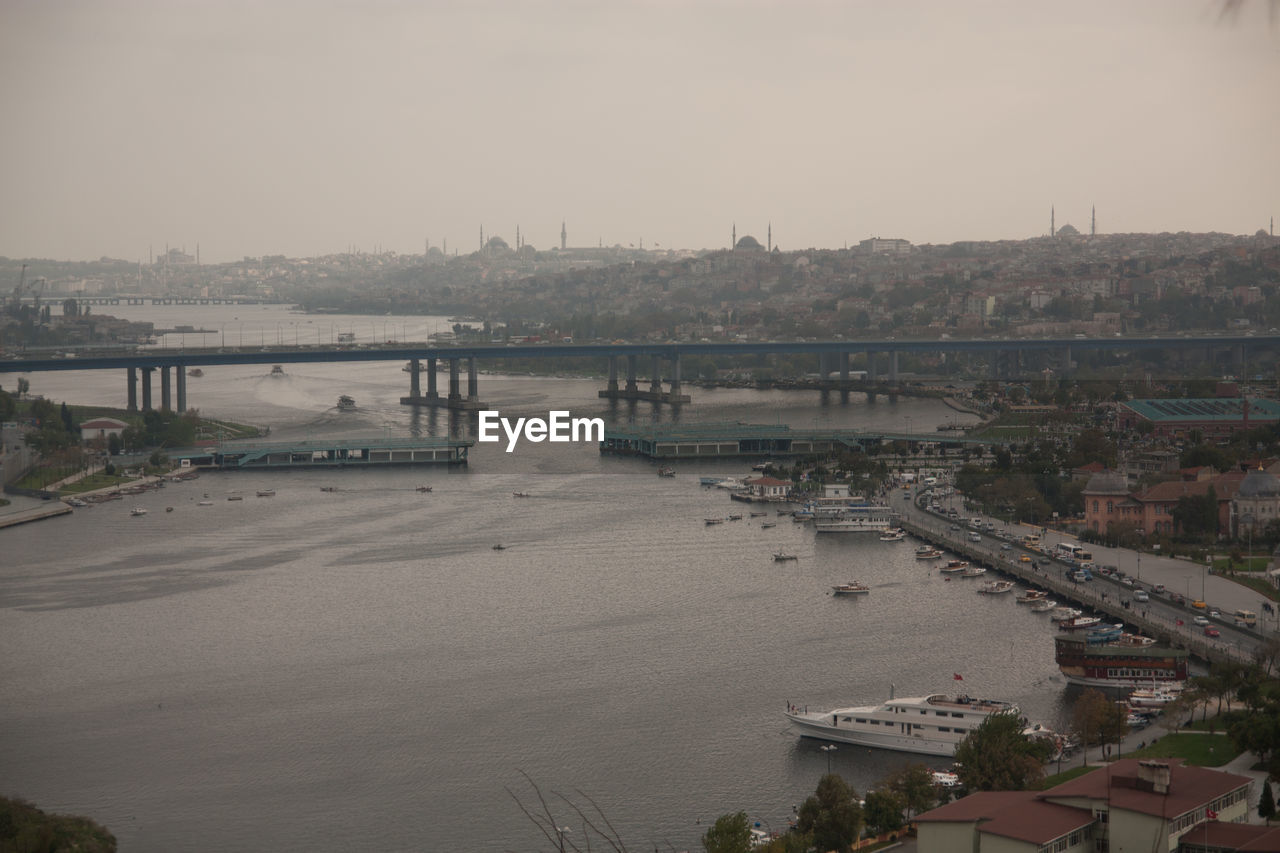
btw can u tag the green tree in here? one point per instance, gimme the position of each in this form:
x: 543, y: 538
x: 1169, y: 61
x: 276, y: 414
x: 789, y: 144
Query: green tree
x: 1096, y: 719
x: 997, y: 756
x: 831, y: 817
x: 1266, y: 803
x: 731, y: 833
x: 914, y: 785
x: 114, y: 444
x: 7, y: 406
x: 883, y: 811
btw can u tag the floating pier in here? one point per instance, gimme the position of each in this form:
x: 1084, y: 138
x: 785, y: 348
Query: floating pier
x: 355, y: 452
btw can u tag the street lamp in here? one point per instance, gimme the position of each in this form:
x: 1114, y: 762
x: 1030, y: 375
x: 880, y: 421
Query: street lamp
x: 560, y: 831
x: 828, y: 749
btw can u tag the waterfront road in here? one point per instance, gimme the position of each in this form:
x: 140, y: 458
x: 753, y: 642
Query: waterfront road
x: 1160, y: 616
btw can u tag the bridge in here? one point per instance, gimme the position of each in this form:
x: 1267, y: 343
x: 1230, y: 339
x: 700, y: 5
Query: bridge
x: 1005, y: 357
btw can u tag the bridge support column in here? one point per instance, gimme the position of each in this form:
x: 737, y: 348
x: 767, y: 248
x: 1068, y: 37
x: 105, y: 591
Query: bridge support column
x: 844, y: 368
x: 432, y: 393
x: 415, y: 387
x: 675, y: 379
x: 455, y: 395
x: 632, y: 372
x: 182, y: 387
x: 612, y: 387
x: 146, y: 388
x: 871, y: 366
x: 655, y: 382
x: 473, y: 381
x: 893, y: 367
x: 1066, y: 358
x: 165, y: 401
x: 132, y: 383
x: 993, y: 364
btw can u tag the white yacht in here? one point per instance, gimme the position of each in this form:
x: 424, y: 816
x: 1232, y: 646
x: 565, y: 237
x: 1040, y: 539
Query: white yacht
x: 932, y: 725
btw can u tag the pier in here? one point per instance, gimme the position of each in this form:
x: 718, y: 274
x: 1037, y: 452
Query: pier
x: 344, y: 453
x: 726, y: 440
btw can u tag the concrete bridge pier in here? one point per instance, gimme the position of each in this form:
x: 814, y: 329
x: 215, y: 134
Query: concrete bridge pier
x: 473, y: 381
x: 455, y: 395
x: 1065, y: 366
x: 432, y: 393
x: 674, y: 396
x: 893, y: 368
x: 132, y: 383
x: 432, y: 397
x: 632, y: 372
x: 844, y: 368
x: 871, y: 366
x: 165, y: 401
x: 612, y: 387
x: 655, y: 381
x: 415, y: 387
x: 182, y: 387
x: 146, y: 388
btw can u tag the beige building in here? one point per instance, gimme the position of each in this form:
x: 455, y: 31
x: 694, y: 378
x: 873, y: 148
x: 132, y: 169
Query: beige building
x: 1125, y: 807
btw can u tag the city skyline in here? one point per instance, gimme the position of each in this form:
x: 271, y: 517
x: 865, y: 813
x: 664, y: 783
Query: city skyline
x: 308, y: 130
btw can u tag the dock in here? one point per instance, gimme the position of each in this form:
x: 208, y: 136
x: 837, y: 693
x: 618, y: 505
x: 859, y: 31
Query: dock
x: 335, y: 453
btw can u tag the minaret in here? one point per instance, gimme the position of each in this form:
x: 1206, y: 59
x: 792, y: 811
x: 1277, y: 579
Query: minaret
x: 564, y: 235
x: 769, y: 239
x: 517, y: 238
x: 1052, y: 229
x: 482, y: 238
x: 733, y: 241
x: 1093, y: 221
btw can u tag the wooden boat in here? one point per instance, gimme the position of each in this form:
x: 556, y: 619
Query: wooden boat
x: 928, y: 552
x: 996, y: 587
x: 782, y: 555
x: 266, y: 493
x: 519, y: 494
x: 764, y: 525
x: 973, y: 572
x: 850, y: 588
x: 711, y: 521
x: 954, y: 567
x: 1031, y: 596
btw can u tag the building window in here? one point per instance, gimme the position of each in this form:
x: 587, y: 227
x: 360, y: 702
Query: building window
x: 1095, y: 506
x: 1111, y: 507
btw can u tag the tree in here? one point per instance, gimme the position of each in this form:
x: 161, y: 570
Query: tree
x: 1096, y: 719
x: 997, y: 756
x: 731, y: 833
x: 914, y: 785
x: 24, y: 385
x: 114, y: 444
x: 883, y: 811
x: 1266, y: 803
x: 831, y: 817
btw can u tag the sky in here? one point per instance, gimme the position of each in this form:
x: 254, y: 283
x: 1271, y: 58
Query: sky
x: 312, y: 127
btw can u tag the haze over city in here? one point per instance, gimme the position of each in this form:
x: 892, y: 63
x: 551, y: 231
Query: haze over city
x: 306, y: 129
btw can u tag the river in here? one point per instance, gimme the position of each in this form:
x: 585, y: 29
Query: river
x: 361, y: 670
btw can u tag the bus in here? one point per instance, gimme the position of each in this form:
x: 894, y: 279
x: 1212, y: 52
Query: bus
x: 1031, y: 541
x: 1247, y: 617
x: 1075, y: 552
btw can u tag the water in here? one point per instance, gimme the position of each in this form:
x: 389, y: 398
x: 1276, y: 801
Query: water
x: 361, y: 670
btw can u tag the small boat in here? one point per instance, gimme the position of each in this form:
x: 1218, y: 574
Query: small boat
x: 895, y: 535
x: 277, y: 370
x: 499, y: 547
x: 168, y: 509
x: 266, y: 493
x: 137, y: 510
x: 711, y: 521
x: 345, y: 403
x: 850, y: 588
x: 1044, y: 606
x: 759, y: 466
x: 765, y: 525
x: 204, y: 503
x: 328, y: 488
x: 195, y: 371
x: 519, y: 494
x: 1079, y: 623
x: 235, y: 497
x: 954, y: 567
x: 782, y: 555
x: 424, y: 488
x: 995, y: 587
x: 758, y: 514
x: 1156, y: 697
x: 928, y: 552
x: 973, y: 572
x: 666, y: 472
x: 710, y: 481
x: 1031, y: 596
x: 735, y: 516
x: 1062, y: 614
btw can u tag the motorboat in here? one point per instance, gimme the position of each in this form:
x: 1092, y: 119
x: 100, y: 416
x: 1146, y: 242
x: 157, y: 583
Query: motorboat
x: 1044, y: 606
x: 973, y: 572
x: 764, y: 525
x: 266, y: 493
x: 666, y: 472
x: 137, y: 510
x: 277, y: 370
x: 196, y: 372
x: 499, y: 547
x: 928, y: 552
x: 1062, y: 614
x: 519, y: 494
x: 1079, y: 623
x: 938, y: 722
x: 782, y: 556
x: 423, y: 488
x: 735, y: 516
x: 1031, y: 596
x: 204, y: 503
x: 894, y: 535
x: 850, y: 588
x: 995, y: 587
x: 345, y: 403
x: 711, y: 521
x: 954, y: 567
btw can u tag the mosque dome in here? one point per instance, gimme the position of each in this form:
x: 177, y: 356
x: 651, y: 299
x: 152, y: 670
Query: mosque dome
x: 1258, y: 482
x: 1068, y: 231
x: 748, y: 242
x: 496, y: 244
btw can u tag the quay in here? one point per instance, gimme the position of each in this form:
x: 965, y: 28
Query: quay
x: 725, y: 440
x: 336, y: 453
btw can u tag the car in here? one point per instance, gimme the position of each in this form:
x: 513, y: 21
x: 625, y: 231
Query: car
x: 1024, y: 559
x: 1214, y: 614
x: 1127, y: 582
x: 1198, y: 604
x: 974, y: 537
x: 1177, y: 598
x: 1005, y: 546
x: 1201, y: 619
x: 1158, y: 589
x: 1210, y: 631
x: 1141, y: 595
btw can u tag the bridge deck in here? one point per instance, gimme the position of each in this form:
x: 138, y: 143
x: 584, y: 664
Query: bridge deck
x: 326, y: 454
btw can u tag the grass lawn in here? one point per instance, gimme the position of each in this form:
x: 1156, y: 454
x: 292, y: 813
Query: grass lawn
x: 95, y: 481
x: 1198, y: 748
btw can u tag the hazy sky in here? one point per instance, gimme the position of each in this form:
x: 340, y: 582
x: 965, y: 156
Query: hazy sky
x: 306, y: 128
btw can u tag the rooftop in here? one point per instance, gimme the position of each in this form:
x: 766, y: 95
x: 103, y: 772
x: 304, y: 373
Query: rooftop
x: 1205, y: 409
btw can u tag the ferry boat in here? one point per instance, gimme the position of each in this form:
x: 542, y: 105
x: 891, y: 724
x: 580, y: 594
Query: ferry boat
x: 1120, y: 663
x: 928, y: 552
x: 857, y: 519
x: 850, y: 588
x: 930, y: 725
x: 346, y: 403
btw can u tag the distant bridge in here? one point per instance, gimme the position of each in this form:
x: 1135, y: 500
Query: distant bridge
x: 1005, y: 357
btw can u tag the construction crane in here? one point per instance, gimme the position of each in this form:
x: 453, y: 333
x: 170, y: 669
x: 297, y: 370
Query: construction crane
x: 17, y: 291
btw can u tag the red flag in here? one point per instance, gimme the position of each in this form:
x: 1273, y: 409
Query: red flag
x: 957, y: 676
x: 1210, y: 814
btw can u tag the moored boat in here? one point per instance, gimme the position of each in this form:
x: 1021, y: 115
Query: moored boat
x: 954, y: 567
x: 711, y: 521
x: 1031, y: 596
x: 937, y: 722
x: 995, y: 587
x: 850, y: 588
x: 1063, y: 613
x: 896, y: 534
x: 1044, y: 606
x: 1119, y: 664
x: 973, y: 572
x: 928, y: 552
x: 1079, y: 623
